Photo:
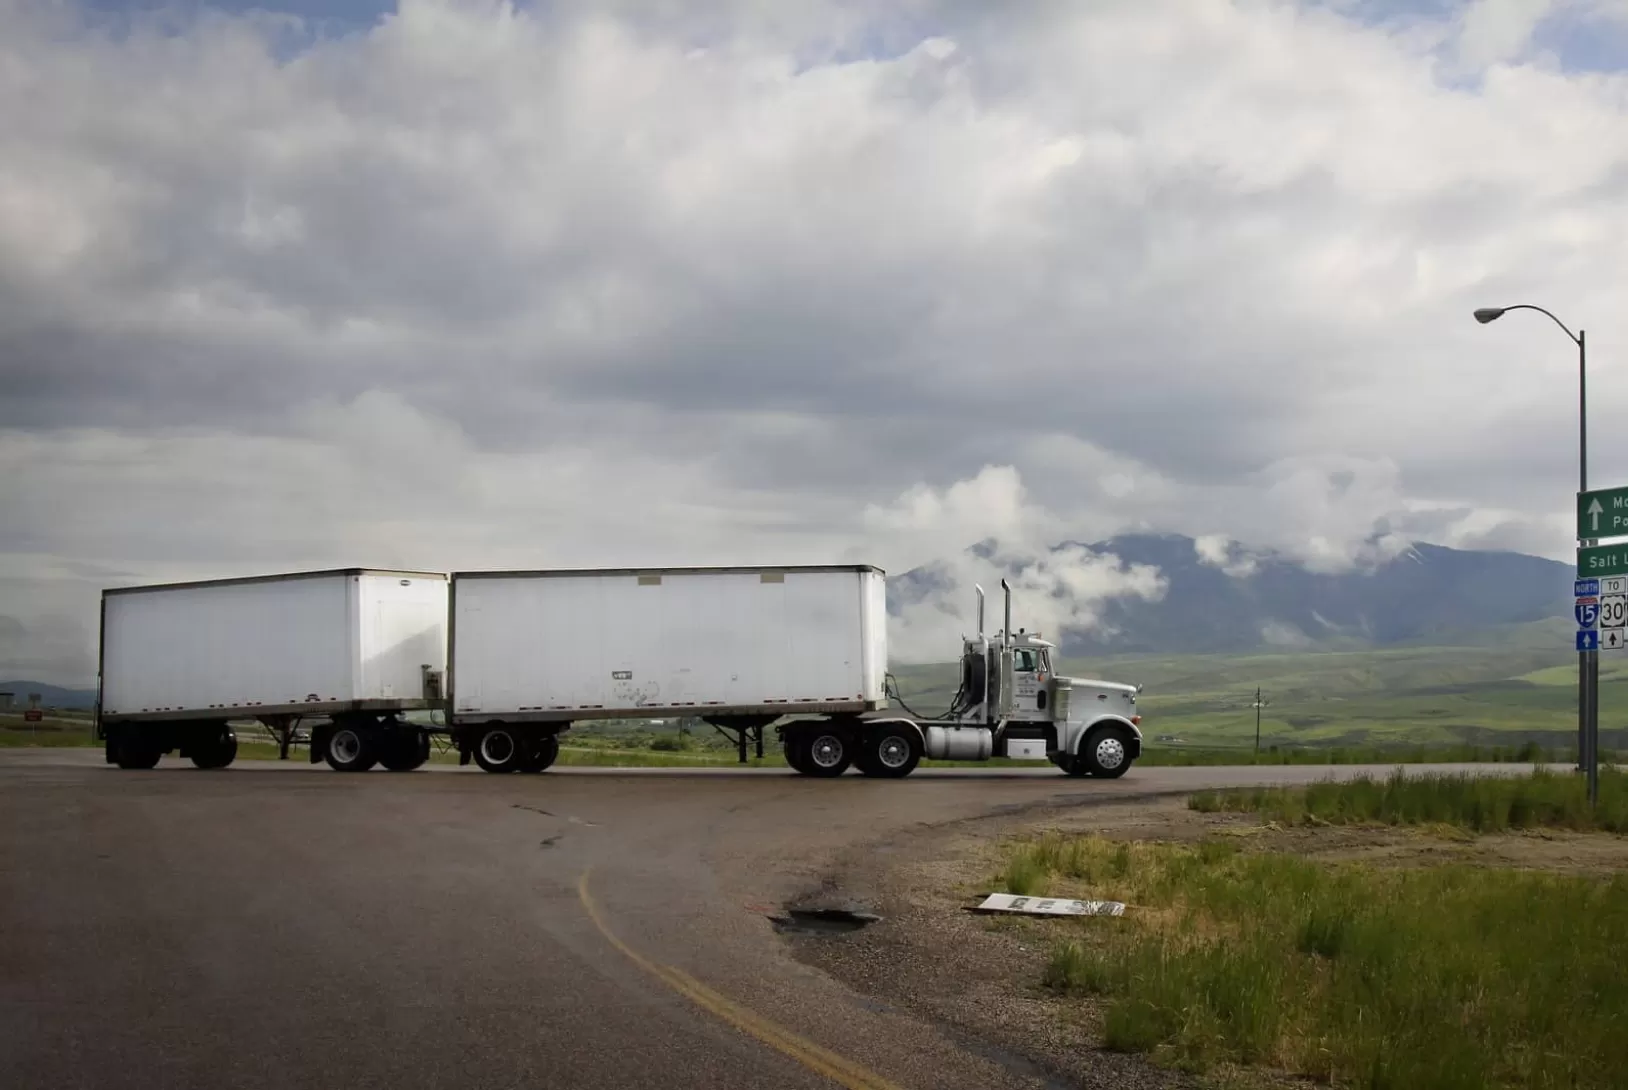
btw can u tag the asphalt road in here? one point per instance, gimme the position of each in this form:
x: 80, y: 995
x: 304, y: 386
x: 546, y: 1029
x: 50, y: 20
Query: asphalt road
x: 279, y: 925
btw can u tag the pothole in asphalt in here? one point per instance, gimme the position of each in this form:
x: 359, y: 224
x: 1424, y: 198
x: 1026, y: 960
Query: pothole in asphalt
x: 822, y: 921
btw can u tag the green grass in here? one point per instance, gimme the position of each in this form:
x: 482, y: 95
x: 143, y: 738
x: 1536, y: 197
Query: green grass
x: 1384, y: 979
x: 1478, y: 803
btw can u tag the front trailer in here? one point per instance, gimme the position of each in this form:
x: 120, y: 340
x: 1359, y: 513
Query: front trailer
x: 532, y: 652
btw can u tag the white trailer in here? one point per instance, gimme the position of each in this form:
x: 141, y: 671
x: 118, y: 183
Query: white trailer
x: 353, y: 648
x: 532, y: 652
x: 744, y: 648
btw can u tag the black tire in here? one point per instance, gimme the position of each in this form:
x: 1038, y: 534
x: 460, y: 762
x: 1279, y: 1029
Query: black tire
x: 405, y: 750
x: 136, y: 752
x: 1073, y: 765
x: 218, y: 751
x: 351, y: 749
x: 1106, y: 752
x: 827, y: 752
x: 500, y: 748
x: 541, y: 751
x: 794, y: 744
x: 889, y: 753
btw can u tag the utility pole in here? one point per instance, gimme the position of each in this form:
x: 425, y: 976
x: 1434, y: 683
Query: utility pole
x: 1259, y: 704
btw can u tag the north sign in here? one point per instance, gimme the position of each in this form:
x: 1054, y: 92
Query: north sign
x: 1603, y: 513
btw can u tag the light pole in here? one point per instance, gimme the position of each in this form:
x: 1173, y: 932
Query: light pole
x: 1588, y: 662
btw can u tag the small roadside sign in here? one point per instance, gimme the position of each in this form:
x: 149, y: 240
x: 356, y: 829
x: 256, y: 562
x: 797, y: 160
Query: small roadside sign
x: 1588, y: 639
x: 1587, y: 612
x: 1612, y: 639
x: 1586, y: 587
x: 1613, y: 611
x: 1602, y: 513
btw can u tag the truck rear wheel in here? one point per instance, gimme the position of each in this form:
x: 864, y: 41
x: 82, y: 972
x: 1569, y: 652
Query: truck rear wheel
x: 404, y: 750
x: 1106, y: 753
x: 891, y: 753
x: 500, y: 749
x: 351, y: 749
x: 540, y: 752
x: 216, y: 749
x: 827, y: 752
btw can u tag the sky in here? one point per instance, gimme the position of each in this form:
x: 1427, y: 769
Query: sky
x: 454, y: 286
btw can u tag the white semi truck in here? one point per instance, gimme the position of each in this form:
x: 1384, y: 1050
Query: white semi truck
x: 528, y: 654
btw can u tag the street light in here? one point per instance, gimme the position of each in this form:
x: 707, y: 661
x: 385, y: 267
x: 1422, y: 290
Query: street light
x: 1588, y: 662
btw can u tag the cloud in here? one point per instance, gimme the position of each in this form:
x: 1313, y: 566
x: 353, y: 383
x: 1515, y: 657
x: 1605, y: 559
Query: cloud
x: 1054, y: 589
x: 485, y: 283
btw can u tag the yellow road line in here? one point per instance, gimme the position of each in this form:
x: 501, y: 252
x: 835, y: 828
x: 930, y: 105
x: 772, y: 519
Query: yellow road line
x: 822, y: 1061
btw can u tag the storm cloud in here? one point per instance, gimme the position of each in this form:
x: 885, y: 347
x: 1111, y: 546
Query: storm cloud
x: 477, y: 284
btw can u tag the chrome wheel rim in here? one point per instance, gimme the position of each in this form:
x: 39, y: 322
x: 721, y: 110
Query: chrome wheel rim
x: 894, y: 752
x: 826, y: 751
x: 497, y: 747
x: 346, y: 746
x: 1110, y: 753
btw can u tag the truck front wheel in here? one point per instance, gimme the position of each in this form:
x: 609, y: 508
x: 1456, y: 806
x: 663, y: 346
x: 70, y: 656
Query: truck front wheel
x: 500, y: 749
x: 1106, y: 753
x: 891, y: 753
x: 351, y: 749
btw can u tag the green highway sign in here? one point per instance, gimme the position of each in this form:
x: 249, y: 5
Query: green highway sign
x: 1603, y: 513
x: 1603, y: 560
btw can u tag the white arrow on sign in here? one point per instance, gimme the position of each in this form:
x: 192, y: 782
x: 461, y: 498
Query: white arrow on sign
x: 1596, y: 510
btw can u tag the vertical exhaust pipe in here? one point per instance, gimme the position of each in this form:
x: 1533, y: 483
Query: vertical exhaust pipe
x: 1006, y: 633
x: 980, y: 591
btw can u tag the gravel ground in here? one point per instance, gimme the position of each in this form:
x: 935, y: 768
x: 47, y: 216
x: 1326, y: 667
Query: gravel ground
x: 973, y: 974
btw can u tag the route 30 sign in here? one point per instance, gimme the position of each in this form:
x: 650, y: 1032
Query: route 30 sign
x: 1613, y: 610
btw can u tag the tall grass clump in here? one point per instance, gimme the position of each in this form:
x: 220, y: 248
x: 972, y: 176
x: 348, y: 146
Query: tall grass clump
x: 1361, y: 977
x: 1542, y: 799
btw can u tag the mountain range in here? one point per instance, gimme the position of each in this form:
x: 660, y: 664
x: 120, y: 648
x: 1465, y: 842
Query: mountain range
x: 1231, y: 600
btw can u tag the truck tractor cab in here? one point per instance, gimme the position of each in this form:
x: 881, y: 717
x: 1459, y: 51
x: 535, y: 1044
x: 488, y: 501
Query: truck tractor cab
x: 1010, y: 686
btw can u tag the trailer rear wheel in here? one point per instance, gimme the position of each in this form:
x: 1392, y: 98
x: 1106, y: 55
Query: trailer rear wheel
x: 540, y: 752
x: 136, y: 752
x: 404, y: 750
x: 217, y: 750
x: 794, y: 744
x: 351, y: 749
x: 890, y: 753
x: 500, y: 749
x: 827, y: 752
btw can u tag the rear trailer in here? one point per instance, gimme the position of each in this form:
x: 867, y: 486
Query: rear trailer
x: 532, y: 652
x: 350, y: 651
